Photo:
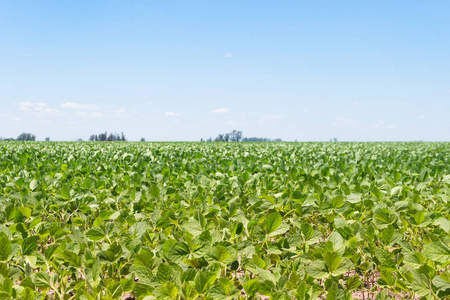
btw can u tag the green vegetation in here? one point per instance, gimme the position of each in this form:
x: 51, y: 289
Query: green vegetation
x: 22, y: 137
x: 224, y: 220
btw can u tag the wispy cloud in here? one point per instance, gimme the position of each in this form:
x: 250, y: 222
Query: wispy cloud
x: 86, y: 115
x: 79, y: 106
x: 172, y: 114
x: 274, y: 117
x: 232, y: 123
x: 220, y: 110
x: 92, y: 111
x: 228, y: 54
x: 344, y: 122
x: 39, y: 110
x: 37, y: 107
x: 305, y: 110
x: 381, y: 125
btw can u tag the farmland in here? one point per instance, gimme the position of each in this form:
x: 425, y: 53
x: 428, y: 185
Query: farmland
x: 224, y: 220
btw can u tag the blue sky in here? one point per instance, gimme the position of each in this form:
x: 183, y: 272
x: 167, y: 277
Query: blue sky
x: 185, y: 70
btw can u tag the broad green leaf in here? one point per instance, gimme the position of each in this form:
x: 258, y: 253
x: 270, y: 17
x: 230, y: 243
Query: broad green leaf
x: 332, y: 292
x: 112, y: 253
x: 41, y: 280
x: 5, y: 247
x: 353, y: 283
x: 29, y: 245
x: 65, y: 192
x: 273, y: 221
x: 218, y: 254
x: 354, y: 198
x: 168, y: 290
x: 387, y: 234
x: 27, y: 294
x: 252, y: 287
x: 438, y: 251
x: 332, y: 261
x: 396, y: 191
x: 95, y: 234
x: 154, y: 191
x: 193, y: 227
x: 164, y: 273
x: 26, y: 211
x: 317, y: 269
x: 33, y: 184
x: 178, y: 252
x: 203, y: 280
x: 127, y: 284
x: 280, y: 230
x: 302, y: 290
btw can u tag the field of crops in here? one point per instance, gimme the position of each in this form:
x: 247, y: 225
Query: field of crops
x: 224, y: 220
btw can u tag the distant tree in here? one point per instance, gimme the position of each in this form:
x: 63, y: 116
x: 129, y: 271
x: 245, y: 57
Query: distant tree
x: 235, y: 136
x: 142, y: 140
x: 238, y: 136
x: 26, y: 137
x: 226, y: 137
x: 102, y: 137
x: 47, y: 139
x: 112, y: 137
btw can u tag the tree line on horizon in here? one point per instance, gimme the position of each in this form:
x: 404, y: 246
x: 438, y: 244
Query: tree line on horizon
x: 104, y: 137
x: 233, y: 136
x: 22, y: 137
x: 236, y: 136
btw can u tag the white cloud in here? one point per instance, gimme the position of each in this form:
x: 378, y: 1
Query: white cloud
x: 74, y: 105
x: 382, y: 125
x: 172, y: 114
x: 421, y: 117
x: 228, y: 54
x: 52, y: 110
x: 275, y: 117
x: 355, y: 103
x: 41, y: 111
x: 29, y: 55
x: 232, y: 123
x: 29, y: 106
x: 305, y: 110
x: 38, y: 108
x: 117, y: 111
x: 220, y: 110
x: 345, y: 122
x: 91, y: 111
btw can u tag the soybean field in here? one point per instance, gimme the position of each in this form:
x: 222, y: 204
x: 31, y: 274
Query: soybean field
x: 124, y: 220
